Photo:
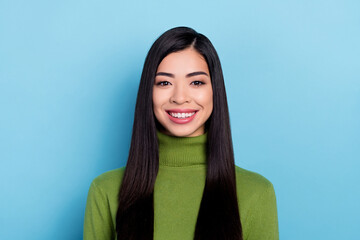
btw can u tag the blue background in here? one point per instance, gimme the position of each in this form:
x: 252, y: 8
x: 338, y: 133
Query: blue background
x: 69, y: 73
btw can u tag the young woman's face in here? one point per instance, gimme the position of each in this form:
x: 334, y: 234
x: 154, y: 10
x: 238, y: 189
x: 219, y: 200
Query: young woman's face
x: 182, y: 93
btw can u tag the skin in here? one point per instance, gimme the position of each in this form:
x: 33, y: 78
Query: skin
x: 183, y: 82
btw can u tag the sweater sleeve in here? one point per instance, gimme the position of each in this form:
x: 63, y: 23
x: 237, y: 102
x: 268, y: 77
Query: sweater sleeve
x: 263, y: 219
x: 98, y: 224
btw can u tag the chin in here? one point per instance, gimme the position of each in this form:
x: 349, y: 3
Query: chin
x: 184, y: 132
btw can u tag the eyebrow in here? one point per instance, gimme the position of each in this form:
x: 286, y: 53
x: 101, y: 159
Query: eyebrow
x: 187, y: 75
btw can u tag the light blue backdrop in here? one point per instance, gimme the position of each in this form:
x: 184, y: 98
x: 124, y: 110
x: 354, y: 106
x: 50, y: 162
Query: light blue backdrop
x: 69, y: 72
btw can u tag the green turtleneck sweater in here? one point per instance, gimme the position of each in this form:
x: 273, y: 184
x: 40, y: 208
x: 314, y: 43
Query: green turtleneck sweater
x: 178, y: 191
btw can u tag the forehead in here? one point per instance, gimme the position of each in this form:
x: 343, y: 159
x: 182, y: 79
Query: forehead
x: 183, y: 62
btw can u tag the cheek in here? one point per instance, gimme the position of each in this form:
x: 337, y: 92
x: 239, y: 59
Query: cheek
x: 155, y: 105
x: 206, y: 99
x: 155, y: 99
x: 210, y: 104
x: 158, y: 101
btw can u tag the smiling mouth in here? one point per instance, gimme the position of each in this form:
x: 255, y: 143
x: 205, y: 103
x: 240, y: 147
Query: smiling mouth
x: 181, y: 115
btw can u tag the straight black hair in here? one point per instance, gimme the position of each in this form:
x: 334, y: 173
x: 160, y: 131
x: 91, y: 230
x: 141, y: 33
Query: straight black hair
x: 218, y: 216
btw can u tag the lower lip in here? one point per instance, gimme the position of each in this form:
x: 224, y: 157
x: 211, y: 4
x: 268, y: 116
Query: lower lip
x: 181, y: 120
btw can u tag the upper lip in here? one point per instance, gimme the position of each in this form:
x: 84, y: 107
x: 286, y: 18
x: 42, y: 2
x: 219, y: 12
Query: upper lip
x: 181, y: 110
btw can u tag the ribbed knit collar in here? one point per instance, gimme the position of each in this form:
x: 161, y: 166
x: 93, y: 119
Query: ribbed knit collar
x: 181, y: 151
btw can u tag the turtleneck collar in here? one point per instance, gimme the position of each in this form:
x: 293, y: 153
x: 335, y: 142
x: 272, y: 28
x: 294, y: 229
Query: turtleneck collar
x: 181, y: 151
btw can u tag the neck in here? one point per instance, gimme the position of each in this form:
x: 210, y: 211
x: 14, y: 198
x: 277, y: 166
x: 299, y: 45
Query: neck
x: 181, y: 151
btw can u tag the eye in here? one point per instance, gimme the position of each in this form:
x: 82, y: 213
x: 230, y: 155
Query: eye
x: 163, y: 83
x: 197, y: 83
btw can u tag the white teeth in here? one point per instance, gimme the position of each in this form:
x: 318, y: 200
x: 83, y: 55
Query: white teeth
x: 182, y: 115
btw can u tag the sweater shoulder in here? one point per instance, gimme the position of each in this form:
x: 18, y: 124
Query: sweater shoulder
x: 250, y: 177
x: 251, y: 183
x: 110, y: 180
x: 257, y: 205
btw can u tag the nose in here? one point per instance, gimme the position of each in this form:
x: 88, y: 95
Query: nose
x: 180, y: 95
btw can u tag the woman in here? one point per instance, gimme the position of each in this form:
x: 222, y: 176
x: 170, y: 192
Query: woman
x: 180, y: 181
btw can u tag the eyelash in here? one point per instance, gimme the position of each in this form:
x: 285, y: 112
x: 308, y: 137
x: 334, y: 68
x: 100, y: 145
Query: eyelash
x: 199, y: 83
x: 162, y: 83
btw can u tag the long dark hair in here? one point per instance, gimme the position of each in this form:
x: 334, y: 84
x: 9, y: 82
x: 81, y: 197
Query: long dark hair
x: 218, y: 216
